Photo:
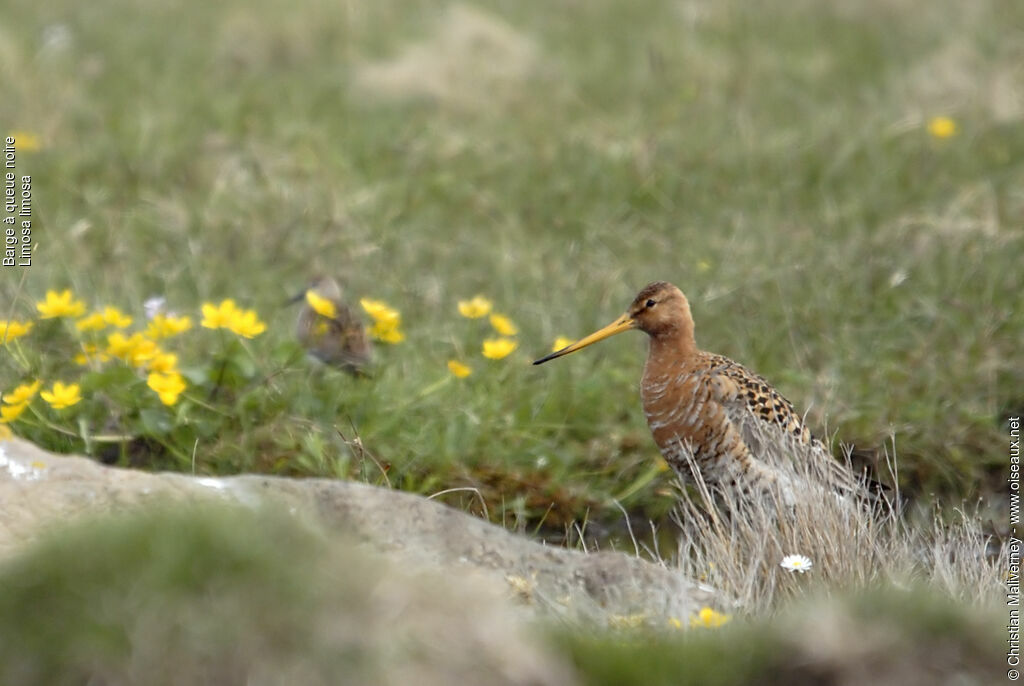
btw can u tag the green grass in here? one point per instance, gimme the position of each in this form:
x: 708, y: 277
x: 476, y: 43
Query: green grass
x: 771, y: 159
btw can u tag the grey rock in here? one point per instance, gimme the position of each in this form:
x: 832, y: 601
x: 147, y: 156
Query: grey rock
x: 40, y: 490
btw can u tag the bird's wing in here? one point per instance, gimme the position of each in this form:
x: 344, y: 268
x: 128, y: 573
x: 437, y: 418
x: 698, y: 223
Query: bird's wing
x: 345, y: 325
x: 349, y: 328
x: 751, y: 402
x: 770, y: 426
x: 340, y: 340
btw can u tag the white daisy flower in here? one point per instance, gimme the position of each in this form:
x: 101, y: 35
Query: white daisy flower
x: 796, y: 563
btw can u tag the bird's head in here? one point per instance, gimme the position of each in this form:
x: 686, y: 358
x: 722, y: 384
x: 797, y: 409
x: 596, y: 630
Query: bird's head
x: 660, y: 309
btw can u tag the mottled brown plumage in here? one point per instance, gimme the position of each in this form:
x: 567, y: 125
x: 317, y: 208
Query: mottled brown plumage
x: 739, y: 431
x: 335, y: 336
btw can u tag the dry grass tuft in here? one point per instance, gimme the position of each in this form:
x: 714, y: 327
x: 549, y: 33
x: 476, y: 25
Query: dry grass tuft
x: 470, y: 59
x: 736, y: 542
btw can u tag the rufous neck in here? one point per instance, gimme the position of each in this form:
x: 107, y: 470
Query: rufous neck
x: 677, y: 343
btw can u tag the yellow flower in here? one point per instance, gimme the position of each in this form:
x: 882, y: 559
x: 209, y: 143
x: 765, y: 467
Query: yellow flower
x: 387, y: 332
x: 503, y: 325
x: 321, y: 305
x: 478, y: 307
x: 675, y: 623
x: 460, y: 370
x: 10, y: 329
x: 62, y: 396
x: 219, y: 316
x: 247, y: 324
x: 561, y: 342
x: 94, y: 322
x: 23, y: 393
x: 119, y: 345
x: 143, y: 351
x: 165, y: 326
x: 8, y: 413
x: 60, y: 304
x: 387, y: 321
x: 116, y: 318
x: 89, y: 353
x: 164, y: 363
x: 5, y: 433
x: 167, y: 386
x: 380, y: 311
x: 136, y: 350
x: 708, y: 618
x: 941, y: 127
x: 497, y: 348
x: 25, y: 141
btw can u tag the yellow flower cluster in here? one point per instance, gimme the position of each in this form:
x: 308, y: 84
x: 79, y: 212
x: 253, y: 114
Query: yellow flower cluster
x: 59, y: 397
x: 494, y: 348
x: 227, y: 315
x: 139, y: 350
x: 136, y: 349
x: 97, y: 321
x: 161, y: 366
x: 387, y: 321
x: 142, y: 353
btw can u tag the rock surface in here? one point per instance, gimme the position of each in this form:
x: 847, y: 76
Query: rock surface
x: 40, y: 490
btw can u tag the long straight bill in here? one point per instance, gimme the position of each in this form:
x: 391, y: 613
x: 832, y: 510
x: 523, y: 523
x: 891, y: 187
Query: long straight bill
x: 623, y: 323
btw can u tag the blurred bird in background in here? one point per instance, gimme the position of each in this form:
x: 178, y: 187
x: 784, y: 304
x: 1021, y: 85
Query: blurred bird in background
x: 330, y: 330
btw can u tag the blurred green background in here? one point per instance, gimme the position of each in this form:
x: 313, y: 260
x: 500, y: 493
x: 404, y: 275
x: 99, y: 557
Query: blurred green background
x: 773, y: 159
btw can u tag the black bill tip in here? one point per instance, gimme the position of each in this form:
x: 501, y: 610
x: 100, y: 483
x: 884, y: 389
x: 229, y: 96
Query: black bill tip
x: 550, y: 356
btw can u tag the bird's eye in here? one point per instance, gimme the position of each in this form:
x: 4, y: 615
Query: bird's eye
x: 650, y: 302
